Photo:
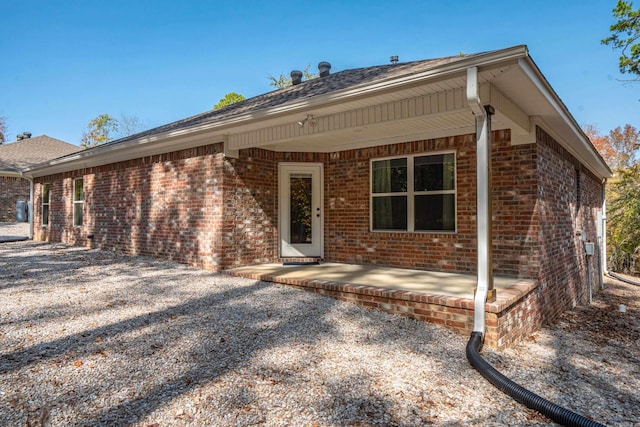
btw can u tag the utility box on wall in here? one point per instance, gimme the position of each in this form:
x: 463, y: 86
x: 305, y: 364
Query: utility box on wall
x: 21, y: 211
x: 589, y: 247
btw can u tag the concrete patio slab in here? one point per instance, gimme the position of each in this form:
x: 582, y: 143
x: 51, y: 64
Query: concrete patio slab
x: 428, y: 282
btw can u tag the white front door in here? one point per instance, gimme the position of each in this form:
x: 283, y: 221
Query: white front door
x: 300, y: 194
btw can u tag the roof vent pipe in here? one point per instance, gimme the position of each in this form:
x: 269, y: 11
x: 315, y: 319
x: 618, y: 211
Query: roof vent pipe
x: 296, y: 77
x: 394, y: 59
x: 323, y: 68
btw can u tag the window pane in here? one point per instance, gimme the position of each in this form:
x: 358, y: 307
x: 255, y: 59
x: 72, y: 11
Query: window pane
x: 78, y: 193
x: 433, y: 173
x: 77, y: 214
x: 390, y: 213
x: 300, y: 208
x: 45, y: 193
x: 45, y: 214
x: 390, y: 176
x: 435, y: 212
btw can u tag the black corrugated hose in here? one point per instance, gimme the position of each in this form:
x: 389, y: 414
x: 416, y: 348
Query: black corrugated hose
x: 549, y: 409
x: 622, y: 279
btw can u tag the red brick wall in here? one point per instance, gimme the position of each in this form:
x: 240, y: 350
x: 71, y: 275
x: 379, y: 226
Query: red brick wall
x: 347, y: 234
x: 12, y: 189
x: 249, y: 234
x: 165, y: 206
x: 565, y: 209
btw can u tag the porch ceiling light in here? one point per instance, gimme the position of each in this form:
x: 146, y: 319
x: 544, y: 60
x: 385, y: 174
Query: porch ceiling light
x: 310, y: 119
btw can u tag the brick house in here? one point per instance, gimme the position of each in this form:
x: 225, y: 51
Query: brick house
x: 375, y: 165
x: 14, y: 157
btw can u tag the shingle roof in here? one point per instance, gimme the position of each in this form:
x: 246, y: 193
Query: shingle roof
x: 341, y: 80
x: 31, y: 151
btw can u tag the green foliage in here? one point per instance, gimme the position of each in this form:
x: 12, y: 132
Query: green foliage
x: 99, y: 130
x: 623, y: 201
x: 228, y: 99
x: 105, y: 128
x: 625, y: 36
x: 284, y: 81
x: 623, y: 220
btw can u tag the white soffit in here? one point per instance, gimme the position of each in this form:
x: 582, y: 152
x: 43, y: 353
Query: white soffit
x: 436, y: 126
x: 528, y: 88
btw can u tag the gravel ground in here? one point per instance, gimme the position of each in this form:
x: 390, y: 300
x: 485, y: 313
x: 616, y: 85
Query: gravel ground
x: 93, y: 338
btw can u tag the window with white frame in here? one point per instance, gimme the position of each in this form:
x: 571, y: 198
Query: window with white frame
x: 45, y: 204
x: 414, y: 193
x: 78, y: 201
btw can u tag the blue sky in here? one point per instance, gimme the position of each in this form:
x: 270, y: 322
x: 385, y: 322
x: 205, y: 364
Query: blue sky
x: 65, y: 62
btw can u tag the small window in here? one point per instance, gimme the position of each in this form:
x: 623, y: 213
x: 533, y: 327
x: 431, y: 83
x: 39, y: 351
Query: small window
x: 415, y: 193
x: 78, y: 201
x: 45, y: 204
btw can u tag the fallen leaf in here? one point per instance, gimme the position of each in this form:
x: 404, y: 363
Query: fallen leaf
x: 77, y: 363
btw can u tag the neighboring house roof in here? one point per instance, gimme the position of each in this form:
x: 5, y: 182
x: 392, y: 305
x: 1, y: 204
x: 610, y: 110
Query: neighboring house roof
x: 19, y: 155
x: 368, y: 106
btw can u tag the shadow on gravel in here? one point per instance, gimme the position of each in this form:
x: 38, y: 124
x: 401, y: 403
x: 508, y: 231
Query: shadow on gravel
x: 361, y: 404
x: 227, y: 328
x: 614, y: 361
x: 211, y: 358
x: 207, y: 317
x: 51, y: 264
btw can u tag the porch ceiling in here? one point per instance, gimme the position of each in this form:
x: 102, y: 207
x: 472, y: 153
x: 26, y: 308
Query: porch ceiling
x: 455, y: 123
x: 428, y: 110
x: 424, y: 109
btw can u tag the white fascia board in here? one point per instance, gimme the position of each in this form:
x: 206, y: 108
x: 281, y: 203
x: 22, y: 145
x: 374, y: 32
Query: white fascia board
x: 120, y: 152
x: 595, y: 164
x: 10, y: 174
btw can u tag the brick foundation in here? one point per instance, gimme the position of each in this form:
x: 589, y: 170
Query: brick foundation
x: 509, y: 319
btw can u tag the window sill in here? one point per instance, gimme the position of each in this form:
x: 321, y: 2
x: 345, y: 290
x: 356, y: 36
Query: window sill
x: 415, y: 232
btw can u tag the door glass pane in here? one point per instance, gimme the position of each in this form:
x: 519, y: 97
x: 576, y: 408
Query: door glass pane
x: 300, y: 211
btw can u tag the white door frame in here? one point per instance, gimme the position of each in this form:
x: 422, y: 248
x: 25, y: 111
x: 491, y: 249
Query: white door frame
x: 316, y: 248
